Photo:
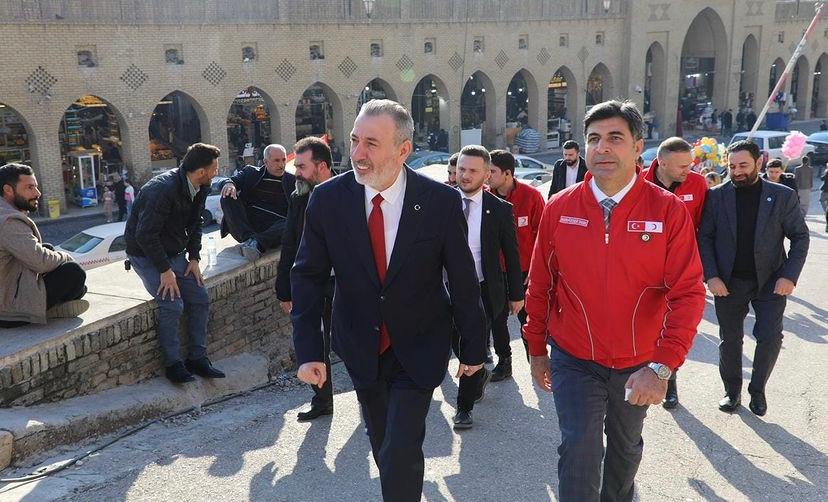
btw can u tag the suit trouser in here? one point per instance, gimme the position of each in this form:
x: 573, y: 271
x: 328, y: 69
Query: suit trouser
x: 65, y: 283
x: 238, y: 223
x: 589, y: 401
x: 469, y: 388
x: 804, y: 201
x: 731, y: 311
x: 323, y: 397
x: 500, y: 329
x: 395, y: 410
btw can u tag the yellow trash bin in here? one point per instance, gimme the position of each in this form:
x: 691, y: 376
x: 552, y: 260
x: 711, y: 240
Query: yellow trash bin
x: 54, y: 209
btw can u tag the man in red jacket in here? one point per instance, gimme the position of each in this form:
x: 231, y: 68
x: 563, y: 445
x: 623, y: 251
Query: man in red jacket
x: 527, y: 207
x: 671, y: 170
x: 615, y: 287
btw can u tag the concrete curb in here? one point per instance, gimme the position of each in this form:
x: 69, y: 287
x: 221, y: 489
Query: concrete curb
x: 30, y: 430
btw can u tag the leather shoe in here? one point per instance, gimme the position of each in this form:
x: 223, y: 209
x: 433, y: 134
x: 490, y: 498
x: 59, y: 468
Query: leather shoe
x: 487, y: 376
x: 204, y: 368
x: 177, y: 373
x: 316, y: 411
x: 758, y: 404
x: 730, y: 404
x: 671, y: 399
x: 463, y: 420
x: 503, y: 370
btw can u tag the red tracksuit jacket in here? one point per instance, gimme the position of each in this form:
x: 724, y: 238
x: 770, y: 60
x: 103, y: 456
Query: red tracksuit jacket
x: 691, y: 191
x: 622, y: 299
x: 527, y: 207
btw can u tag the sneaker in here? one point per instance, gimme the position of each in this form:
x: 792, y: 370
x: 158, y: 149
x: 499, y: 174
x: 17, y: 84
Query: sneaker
x: 250, y: 249
x: 69, y: 309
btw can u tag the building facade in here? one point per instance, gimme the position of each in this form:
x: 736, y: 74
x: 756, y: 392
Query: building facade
x: 137, y: 81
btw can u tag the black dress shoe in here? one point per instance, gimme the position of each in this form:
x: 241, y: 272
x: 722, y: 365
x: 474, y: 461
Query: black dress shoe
x: 758, y: 404
x: 463, y: 420
x: 177, y: 373
x: 671, y: 399
x: 730, y: 404
x: 487, y: 376
x: 316, y: 411
x: 204, y: 368
x: 503, y: 370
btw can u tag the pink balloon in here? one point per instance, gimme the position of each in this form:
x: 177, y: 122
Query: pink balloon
x: 794, y: 145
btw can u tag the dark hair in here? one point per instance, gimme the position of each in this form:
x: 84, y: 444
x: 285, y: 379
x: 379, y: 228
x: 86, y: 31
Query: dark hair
x: 10, y: 174
x: 673, y: 145
x: 503, y: 160
x: 320, y: 151
x: 806, y: 161
x: 746, y: 146
x: 571, y: 145
x: 453, y: 159
x: 199, y: 155
x: 614, y: 108
x: 774, y: 163
x: 476, y: 151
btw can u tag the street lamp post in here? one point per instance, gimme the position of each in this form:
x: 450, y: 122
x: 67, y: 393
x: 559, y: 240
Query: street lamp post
x: 369, y: 7
x: 607, y: 5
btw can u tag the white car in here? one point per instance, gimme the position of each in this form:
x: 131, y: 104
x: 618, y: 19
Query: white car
x: 534, y: 177
x: 527, y: 162
x: 212, y: 206
x: 97, y: 246
x: 770, y: 146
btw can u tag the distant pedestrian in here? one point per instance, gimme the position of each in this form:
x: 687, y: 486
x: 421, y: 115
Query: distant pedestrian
x: 108, y: 203
x: 750, y: 120
x: 120, y: 198
x: 129, y: 196
x: 740, y: 120
x: 823, y: 126
x: 804, y: 183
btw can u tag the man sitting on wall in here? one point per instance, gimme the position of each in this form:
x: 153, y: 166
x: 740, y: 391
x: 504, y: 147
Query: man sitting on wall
x: 255, y: 203
x: 36, y: 282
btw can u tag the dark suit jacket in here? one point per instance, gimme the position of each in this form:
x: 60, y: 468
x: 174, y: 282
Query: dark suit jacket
x: 247, y: 179
x: 778, y: 217
x: 559, y: 175
x: 497, y: 235
x: 412, y: 302
x: 290, y: 243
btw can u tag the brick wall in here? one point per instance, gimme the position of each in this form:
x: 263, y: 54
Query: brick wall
x: 244, y: 317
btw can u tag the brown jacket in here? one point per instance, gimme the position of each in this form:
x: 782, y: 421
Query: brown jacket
x: 23, y: 261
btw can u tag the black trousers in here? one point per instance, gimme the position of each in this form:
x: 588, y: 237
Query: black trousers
x: 122, y: 210
x: 241, y: 226
x: 731, y: 311
x: 65, y: 283
x: 469, y: 388
x: 323, y: 397
x: 395, y: 410
x: 500, y: 328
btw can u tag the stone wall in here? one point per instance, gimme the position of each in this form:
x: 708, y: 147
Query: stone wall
x: 123, y: 349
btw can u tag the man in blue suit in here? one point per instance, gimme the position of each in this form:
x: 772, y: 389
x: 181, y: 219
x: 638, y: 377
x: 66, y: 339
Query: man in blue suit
x: 742, y: 246
x: 388, y: 233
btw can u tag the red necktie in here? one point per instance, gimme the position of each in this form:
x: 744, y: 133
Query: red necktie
x: 376, y: 228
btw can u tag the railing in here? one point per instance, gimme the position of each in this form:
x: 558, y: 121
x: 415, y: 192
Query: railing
x: 175, y: 12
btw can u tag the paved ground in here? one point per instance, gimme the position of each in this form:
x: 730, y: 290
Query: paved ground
x: 252, y: 448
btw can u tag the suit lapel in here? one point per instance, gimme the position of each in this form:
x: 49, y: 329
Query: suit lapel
x: 729, y: 203
x: 766, y: 202
x: 357, y: 223
x: 410, y: 221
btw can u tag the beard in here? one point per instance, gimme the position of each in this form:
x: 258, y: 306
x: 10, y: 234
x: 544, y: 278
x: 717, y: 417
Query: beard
x: 303, y: 186
x: 746, y: 180
x: 570, y: 163
x: 25, y: 204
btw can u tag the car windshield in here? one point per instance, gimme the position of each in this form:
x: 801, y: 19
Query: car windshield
x: 819, y: 136
x: 81, y: 243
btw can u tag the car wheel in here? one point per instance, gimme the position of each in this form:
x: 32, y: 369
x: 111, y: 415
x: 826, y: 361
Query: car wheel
x: 207, y: 216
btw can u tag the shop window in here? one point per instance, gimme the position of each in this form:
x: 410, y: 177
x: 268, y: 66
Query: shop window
x: 478, y: 46
x: 563, y: 40
x: 523, y: 42
x: 430, y: 46
x: 376, y: 49
x: 599, y: 38
x: 780, y: 37
x: 87, y: 57
x: 317, y: 51
x: 248, y: 53
x: 173, y: 54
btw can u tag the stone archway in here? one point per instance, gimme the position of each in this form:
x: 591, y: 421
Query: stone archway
x: 375, y: 89
x: 430, y: 111
x: 177, y: 122
x: 703, y: 78
x: 749, y: 74
x: 561, y: 105
x: 252, y: 124
x: 477, y: 107
x: 318, y: 112
x: 522, y: 99
x: 819, y: 94
x: 599, y: 85
x: 655, y: 88
x: 800, y: 95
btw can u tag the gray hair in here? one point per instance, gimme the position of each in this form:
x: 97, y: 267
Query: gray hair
x: 398, y: 113
x: 270, y: 147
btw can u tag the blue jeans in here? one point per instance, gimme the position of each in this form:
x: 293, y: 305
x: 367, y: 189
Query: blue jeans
x: 589, y: 400
x: 193, y: 296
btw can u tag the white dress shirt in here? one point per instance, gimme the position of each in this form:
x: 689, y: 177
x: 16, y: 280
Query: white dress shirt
x: 572, y: 173
x: 392, y: 206
x: 599, y: 195
x: 475, y: 223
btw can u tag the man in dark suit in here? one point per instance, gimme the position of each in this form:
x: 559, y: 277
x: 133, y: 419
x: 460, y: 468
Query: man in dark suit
x: 568, y: 170
x: 491, y: 234
x: 741, y: 243
x: 388, y: 233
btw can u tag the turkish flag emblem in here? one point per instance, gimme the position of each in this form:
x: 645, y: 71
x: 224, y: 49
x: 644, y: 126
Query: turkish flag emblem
x: 656, y: 227
x: 636, y: 226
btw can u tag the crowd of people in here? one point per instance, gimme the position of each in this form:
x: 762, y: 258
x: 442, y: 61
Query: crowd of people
x: 395, y: 271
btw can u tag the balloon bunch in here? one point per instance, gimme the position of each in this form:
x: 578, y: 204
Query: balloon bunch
x: 709, y: 151
x: 794, y: 145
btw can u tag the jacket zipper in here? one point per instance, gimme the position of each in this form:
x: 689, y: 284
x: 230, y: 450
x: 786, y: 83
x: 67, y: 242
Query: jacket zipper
x: 17, y: 289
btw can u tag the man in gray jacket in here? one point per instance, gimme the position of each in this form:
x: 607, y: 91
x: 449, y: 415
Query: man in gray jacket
x: 36, y: 282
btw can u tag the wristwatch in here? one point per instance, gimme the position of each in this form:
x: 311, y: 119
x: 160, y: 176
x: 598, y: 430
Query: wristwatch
x: 662, y: 371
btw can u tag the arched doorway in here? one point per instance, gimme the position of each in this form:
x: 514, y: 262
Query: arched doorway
x: 800, y: 80
x: 522, y: 99
x: 252, y: 124
x: 91, y: 149
x: 15, y: 137
x: 561, y: 105
x: 774, y: 74
x: 654, y: 89
x: 477, y: 110
x: 599, y: 85
x: 176, y: 123
x: 749, y: 73
x: 430, y: 111
x: 319, y: 112
x: 702, y: 86
x: 819, y: 95
x: 375, y: 89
